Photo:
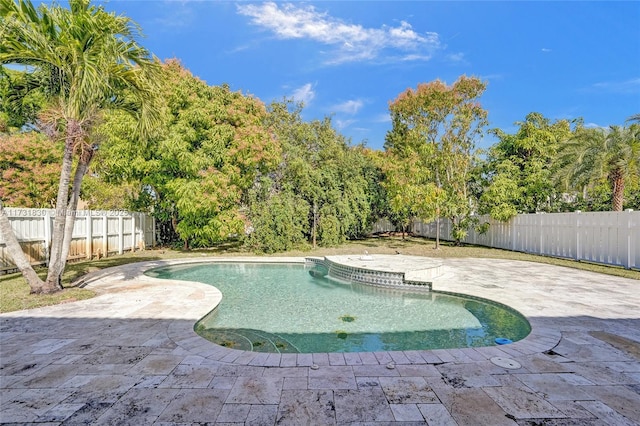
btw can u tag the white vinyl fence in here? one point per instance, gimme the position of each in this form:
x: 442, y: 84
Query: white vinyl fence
x: 611, y: 238
x: 95, y: 234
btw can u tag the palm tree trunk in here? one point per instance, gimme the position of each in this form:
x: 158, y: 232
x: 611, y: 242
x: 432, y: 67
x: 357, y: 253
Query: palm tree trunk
x: 56, y: 262
x: 81, y: 170
x: 617, y: 183
x: 17, y: 255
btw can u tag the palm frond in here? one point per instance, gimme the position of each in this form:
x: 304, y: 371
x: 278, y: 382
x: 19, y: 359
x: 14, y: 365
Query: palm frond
x: 91, y: 56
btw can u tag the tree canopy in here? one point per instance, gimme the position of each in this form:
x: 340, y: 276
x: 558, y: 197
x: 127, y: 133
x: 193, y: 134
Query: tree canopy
x: 435, y: 127
x: 320, y: 191
x: 82, y: 60
x: 207, y: 152
x: 29, y: 170
x: 519, y: 168
x: 594, y: 155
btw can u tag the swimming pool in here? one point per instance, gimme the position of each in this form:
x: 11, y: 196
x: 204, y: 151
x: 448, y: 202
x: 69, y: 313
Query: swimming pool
x: 284, y: 308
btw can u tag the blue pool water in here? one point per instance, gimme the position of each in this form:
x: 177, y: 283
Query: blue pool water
x: 283, y: 308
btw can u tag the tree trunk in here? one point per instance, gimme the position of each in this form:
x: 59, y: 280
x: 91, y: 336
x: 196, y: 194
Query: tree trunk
x: 81, y: 170
x: 17, y: 255
x: 56, y: 263
x: 617, y: 183
x: 437, y: 247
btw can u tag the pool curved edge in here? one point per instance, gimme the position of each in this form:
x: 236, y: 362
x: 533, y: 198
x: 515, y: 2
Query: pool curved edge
x: 203, y: 298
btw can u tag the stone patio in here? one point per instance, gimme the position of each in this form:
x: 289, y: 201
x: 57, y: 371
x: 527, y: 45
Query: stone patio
x: 130, y: 356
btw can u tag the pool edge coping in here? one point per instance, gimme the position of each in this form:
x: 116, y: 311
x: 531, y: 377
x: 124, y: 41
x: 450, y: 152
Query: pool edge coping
x: 540, y: 339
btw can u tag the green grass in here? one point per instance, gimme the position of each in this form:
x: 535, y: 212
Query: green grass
x: 14, y: 292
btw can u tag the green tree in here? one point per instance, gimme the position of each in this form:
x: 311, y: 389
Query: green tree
x: 408, y: 190
x: 439, y: 124
x: 207, y: 152
x: 322, y: 184
x: 84, y: 60
x: 596, y: 154
x: 519, y: 168
x: 279, y: 220
x: 97, y: 194
x: 29, y: 170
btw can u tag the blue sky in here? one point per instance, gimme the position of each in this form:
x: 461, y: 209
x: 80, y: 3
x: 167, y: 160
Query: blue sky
x: 349, y: 59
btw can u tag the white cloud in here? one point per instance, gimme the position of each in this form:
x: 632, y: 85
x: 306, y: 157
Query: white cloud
x: 351, y: 42
x: 456, y: 57
x: 304, y: 94
x: 342, y: 124
x: 631, y: 86
x: 492, y: 77
x: 348, y: 107
x: 382, y: 118
x: 546, y: 50
x: 415, y: 57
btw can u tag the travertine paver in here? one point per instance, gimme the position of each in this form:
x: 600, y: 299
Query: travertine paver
x: 406, y: 390
x: 623, y: 399
x: 256, y: 390
x: 607, y: 415
x: 436, y: 414
x: 367, y: 404
x: 130, y: 356
x: 138, y: 406
x: 194, y: 406
x: 406, y: 412
x: 473, y: 406
x: 523, y: 404
x: 331, y: 377
x: 557, y: 386
x: 301, y: 407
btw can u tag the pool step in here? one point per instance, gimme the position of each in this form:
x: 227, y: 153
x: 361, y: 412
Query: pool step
x: 395, y: 271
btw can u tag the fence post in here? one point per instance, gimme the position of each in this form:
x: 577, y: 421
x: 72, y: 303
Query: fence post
x: 629, y: 241
x: 578, y: 255
x: 120, y: 234
x: 89, y: 235
x: 105, y: 235
x: 133, y: 232
x: 47, y: 236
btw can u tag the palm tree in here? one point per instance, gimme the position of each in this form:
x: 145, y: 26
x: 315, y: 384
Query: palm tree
x: 635, y: 117
x: 597, y: 153
x: 90, y: 61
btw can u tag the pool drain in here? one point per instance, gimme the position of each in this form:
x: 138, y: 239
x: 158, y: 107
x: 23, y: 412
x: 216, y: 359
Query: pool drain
x: 507, y: 363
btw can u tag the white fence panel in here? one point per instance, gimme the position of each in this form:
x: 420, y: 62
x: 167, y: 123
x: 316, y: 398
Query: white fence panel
x: 611, y: 238
x: 95, y: 233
